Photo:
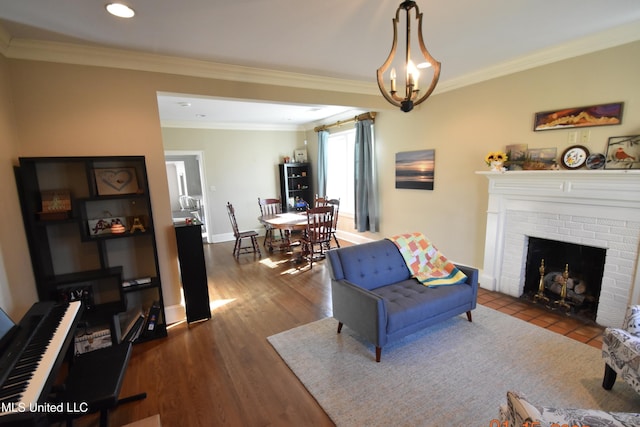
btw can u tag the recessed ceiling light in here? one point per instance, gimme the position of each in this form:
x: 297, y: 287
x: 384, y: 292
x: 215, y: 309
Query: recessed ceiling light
x: 120, y: 10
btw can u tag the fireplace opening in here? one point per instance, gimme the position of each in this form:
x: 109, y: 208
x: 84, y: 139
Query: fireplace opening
x: 564, y: 276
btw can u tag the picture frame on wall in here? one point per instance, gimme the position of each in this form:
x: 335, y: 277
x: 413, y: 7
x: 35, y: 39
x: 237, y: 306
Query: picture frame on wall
x: 623, y: 152
x: 415, y: 169
x: 114, y: 181
x: 592, y: 115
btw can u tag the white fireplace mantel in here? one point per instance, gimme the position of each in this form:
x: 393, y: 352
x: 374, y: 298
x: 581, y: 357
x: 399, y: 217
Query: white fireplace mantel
x: 598, y: 208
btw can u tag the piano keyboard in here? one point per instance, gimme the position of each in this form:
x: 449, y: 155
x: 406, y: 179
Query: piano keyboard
x: 25, y: 383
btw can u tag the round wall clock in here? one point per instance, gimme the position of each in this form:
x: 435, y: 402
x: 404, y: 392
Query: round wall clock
x: 574, y: 157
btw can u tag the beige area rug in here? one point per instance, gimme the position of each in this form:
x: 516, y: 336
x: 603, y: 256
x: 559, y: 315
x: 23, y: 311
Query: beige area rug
x: 454, y: 373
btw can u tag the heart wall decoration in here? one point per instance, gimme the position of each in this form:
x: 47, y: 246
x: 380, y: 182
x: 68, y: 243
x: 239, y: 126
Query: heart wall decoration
x: 116, y: 181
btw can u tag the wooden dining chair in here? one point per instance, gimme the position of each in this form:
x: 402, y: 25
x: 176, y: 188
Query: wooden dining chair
x: 317, y: 236
x: 325, y: 201
x: 269, y: 207
x: 336, y: 207
x: 240, y: 235
x: 320, y: 201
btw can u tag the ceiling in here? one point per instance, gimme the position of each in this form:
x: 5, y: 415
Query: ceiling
x: 333, y: 39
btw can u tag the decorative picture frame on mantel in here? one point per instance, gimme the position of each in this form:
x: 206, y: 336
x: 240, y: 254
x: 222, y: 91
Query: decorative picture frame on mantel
x: 623, y: 152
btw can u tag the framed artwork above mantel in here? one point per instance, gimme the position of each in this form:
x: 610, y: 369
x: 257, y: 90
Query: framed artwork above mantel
x: 592, y: 115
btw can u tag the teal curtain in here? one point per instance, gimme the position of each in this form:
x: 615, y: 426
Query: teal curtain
x: 366, y: 182
x: 323, y: 139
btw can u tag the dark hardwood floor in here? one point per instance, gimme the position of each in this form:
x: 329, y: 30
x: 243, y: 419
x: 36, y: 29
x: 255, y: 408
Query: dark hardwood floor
x: 223, y: 372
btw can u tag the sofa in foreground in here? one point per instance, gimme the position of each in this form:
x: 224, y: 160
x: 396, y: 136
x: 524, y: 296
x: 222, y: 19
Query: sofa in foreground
x: 519, y: 411
x: 374, y: 294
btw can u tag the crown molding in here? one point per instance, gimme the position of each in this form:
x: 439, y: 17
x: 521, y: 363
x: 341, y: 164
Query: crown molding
x: 603, y: 40
x: 231, y: 126
x: 78, y: 54
x: 68, y: 53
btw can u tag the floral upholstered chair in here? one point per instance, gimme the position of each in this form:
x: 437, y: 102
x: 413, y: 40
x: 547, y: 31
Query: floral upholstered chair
x: 621, y: 351
x: 519, y: 411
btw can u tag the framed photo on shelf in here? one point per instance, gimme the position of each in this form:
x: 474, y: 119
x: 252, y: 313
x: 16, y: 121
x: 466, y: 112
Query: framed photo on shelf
x: 540, y: 159
x: 623, y: 152
x: 300, y: 156
x: 516, y: 156
x: 114, y: 181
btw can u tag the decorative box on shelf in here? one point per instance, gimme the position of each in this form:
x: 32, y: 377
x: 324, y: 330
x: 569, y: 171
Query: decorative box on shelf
x: 56, y: 205
x: 104, y: 225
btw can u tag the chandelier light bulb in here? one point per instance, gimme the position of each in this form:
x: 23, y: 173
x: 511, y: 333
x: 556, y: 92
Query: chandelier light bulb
x: 392, y: 76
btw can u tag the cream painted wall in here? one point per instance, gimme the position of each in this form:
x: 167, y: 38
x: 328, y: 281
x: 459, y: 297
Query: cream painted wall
x: 78, y: 110
x: 241, y: 165
x: 463, y: 125
x: 17, y: 292
x: 72, y: 110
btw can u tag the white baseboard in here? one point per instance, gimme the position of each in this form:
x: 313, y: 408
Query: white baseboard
x: 352, y: 237
x: 229, y: 237
x: 175, y: 314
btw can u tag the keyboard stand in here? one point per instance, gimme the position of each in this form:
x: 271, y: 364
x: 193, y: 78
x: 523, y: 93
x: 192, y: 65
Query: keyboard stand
x: 95, y: 379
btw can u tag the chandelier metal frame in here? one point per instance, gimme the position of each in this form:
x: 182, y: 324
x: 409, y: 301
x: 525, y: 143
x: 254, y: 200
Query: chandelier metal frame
x: 412, y: 95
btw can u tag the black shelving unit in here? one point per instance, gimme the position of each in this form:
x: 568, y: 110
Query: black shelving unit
x: 296, y: 189
x: 74, y: 252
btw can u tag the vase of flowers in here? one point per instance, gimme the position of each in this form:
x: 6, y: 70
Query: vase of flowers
x: 496, y: 160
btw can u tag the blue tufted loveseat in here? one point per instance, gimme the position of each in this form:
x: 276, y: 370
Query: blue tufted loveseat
x: 374, y: 294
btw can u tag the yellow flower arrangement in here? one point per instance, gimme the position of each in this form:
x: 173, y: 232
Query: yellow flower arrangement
x: 495, y: 156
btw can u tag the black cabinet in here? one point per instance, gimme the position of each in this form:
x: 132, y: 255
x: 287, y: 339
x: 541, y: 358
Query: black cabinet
x: 89, y: 225
x: 296, y: 189
x: 193, y: 272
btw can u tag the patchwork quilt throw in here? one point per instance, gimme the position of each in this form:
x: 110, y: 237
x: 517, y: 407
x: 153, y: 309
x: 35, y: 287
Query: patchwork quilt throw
x: 426, y: 262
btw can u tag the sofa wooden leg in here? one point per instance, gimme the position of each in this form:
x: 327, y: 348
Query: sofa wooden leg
x: 469, y: 316
x: 378, y: 353
x: 609, y: 377
x: 339, y: 327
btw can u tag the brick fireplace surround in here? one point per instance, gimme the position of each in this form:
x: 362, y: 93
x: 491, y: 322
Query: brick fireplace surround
x: 599, y: 208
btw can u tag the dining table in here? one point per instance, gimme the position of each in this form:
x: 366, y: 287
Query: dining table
x: 287, y: 222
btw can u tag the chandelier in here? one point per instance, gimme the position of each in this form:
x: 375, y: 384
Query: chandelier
x: 412, y: 95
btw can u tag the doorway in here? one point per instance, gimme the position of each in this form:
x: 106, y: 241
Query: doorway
x: 186, y: 178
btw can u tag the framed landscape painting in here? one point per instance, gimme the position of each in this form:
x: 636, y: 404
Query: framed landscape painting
x: 593, y: 115
x: 415, y: 169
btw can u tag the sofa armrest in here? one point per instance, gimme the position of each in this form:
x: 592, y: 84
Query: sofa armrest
x: 361, y: 310
x: 472, y: 280
x: 470, y: 272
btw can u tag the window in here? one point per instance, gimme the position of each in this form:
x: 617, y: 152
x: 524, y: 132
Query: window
x: 340, y: 173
